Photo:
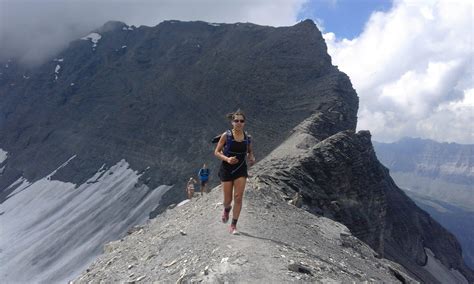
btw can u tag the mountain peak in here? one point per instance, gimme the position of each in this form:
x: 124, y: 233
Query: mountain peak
x: 306, y: 22
x: 112, y: 26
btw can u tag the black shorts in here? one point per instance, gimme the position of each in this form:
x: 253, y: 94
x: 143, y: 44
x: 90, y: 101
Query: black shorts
x: 229, y: 172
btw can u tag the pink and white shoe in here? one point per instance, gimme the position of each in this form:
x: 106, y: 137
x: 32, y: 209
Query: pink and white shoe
x: 233, y: 229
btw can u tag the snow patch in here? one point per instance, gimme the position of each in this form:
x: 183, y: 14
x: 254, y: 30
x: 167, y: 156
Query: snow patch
x: 214, y: 24
x: 183, y: 202
x: 26, y: 77
x: 6, y: 65
x: 60, y: 167
x: 58, y: 59
x: 441, y: 272
x: 19, y: 185
x: 127, y: 28
x: 124, y: 46
x: 3, y: 155
x: 56, y: 72
x: 94, y: 38
x: 72, y: 84
x: 52, y: 230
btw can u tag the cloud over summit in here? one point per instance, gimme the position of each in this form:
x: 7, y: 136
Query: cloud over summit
x: 412, y: 68
x: 36, y: 30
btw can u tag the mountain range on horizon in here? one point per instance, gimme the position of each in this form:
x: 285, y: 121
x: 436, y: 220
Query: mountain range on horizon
x: 105, y: 135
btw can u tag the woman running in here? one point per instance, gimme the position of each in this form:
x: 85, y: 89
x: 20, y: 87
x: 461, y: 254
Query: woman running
x: 233, y: 149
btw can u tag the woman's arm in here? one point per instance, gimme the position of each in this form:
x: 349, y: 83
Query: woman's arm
x: 250, y: 155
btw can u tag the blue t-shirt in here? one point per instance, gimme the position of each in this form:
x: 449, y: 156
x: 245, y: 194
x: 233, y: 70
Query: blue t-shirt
x: 203, y: 174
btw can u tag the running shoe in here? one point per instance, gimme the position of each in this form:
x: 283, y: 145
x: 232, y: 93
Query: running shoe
x: 233, y: 229
x: 225, y: 216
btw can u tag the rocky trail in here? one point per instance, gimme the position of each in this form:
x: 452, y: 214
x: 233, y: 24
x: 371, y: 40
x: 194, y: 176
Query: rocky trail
x: 277, y: 242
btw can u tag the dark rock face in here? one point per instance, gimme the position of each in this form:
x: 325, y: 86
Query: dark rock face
x: 409, y: 230
x: 337, y: 181
x: 341, y: 178
x: 154, y: 96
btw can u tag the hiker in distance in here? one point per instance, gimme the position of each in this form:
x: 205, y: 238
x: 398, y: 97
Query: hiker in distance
x: 204, y: 178
x: 234, y: 148
x: 190, y: 187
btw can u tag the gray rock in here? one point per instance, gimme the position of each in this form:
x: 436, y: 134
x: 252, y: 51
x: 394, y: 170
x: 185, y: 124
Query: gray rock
x: 291, y: 245
x: 341, y: 177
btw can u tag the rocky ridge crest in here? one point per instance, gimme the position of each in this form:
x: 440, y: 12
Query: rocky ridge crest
x: 277, y: 243
x: 290, y: 191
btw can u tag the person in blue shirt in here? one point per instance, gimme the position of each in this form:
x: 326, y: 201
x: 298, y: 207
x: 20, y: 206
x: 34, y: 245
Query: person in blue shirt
x: 204, y: 178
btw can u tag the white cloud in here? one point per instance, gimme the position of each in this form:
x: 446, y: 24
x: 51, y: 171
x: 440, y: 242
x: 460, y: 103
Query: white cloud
x: 35, y: 30
x: 413, y: 70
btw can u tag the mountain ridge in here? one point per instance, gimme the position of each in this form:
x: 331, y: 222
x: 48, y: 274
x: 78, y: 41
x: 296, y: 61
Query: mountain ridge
x: 174, y: 247
x: 289, y: 172
x: 450, y: 162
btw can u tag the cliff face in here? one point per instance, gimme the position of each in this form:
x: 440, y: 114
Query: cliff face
x: 154, y: 96
x: 340, y: 177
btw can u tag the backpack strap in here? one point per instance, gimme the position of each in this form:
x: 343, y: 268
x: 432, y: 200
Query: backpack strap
x: 228, y: 142
x: 230, y: 139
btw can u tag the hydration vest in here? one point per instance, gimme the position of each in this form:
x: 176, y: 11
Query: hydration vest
x: 230, y: 140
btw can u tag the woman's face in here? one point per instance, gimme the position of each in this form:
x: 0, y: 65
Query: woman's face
x: 238, y: 122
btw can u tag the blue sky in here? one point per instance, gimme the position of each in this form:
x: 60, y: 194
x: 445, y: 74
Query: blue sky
x: 345, y: 18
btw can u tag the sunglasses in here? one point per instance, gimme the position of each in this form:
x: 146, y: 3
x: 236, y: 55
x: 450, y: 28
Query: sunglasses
x: 239, y: 120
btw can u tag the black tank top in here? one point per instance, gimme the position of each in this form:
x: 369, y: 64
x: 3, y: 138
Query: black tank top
x: 239, y: 150
x: 228, y: 172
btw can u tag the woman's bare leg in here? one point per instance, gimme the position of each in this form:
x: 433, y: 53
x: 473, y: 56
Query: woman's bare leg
x: 227, y: 189
x: 239, y: 187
